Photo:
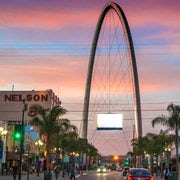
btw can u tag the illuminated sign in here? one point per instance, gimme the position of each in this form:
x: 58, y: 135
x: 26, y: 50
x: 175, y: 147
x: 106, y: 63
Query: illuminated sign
x: 109, y: 121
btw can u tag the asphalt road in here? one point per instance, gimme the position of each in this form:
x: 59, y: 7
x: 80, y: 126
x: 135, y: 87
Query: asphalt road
x: 113, y: 175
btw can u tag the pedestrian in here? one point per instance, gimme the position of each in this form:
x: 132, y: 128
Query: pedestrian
x: 124, y: 173
x: 14, y: 171
x: 72, y: 172
x: 166, y: 173
x: 56, y: 171
x: 44, y: 164
x: 81, y: 169
x: 38, y: 165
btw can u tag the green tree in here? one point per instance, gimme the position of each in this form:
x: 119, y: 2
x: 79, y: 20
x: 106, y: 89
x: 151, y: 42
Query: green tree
x: 66, y: 138
x: 92, y: 152
x: 139, y: 147
x: 172, y: 123
x: 49, y: 123
x: 157, y: 144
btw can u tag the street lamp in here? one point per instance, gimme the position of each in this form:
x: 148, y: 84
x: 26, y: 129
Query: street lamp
x: 39, y: 143
x: 115, y: 158
x: 3, y: 132
x: 167, y: 151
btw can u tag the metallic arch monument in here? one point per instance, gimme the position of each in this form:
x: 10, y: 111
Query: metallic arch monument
x: 132, y: 59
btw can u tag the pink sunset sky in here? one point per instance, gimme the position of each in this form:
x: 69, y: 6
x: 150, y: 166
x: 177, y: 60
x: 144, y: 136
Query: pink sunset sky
x: 46, y: 45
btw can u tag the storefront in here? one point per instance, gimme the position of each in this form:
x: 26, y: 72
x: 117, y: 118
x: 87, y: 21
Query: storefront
x: 11, y: 109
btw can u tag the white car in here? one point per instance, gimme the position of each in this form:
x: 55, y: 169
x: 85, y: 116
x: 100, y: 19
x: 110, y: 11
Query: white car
x: 102, y: 169
x: 118, y: 168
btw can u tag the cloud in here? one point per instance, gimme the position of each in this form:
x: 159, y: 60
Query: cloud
x: 27, y: 18
x: 43, y: 72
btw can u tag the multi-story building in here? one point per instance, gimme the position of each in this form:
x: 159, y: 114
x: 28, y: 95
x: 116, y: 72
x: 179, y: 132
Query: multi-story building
x: 11, y: 113
x: 11, y: 103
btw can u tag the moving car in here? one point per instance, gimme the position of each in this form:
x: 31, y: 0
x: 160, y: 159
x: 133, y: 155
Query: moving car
x: 118, y: 168
x: 102, y: 169
x: 139, y: 173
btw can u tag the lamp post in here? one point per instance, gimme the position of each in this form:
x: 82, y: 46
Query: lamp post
x: 167, y: 151
x: 38, y: 143
x: 28, y: 151
x: 22, y: 138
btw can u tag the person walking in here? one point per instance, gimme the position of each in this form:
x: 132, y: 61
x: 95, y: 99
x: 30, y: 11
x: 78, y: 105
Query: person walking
x: 38, y: 165
x: 14, y: 171
x: 81, y: 169
x: 72, y: 172
x: 166, y: 173
x: 56, y: 171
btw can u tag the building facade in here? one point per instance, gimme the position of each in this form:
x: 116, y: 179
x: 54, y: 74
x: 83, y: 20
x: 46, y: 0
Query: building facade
x: 11, y: 103
x: 11, y: 113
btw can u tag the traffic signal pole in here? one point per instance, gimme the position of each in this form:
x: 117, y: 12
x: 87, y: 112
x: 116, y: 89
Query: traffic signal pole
x: 22, y: 139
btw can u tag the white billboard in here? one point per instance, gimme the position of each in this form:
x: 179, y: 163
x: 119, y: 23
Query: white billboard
x: 109, y: 121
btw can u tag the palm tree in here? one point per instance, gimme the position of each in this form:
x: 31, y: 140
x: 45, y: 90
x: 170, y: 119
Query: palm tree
x: 66, y: 140
x: 48, y: 123
x: 139, y: 147
x: 92, y: 152
x: 157, y: 144
x: 172, y: 122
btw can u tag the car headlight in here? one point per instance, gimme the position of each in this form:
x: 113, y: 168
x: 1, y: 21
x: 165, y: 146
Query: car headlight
x: 104, y: 170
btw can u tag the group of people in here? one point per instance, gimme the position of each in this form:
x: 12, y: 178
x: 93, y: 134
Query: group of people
x: 71, y: 172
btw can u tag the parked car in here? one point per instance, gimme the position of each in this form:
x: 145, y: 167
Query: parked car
x: 139, y: 173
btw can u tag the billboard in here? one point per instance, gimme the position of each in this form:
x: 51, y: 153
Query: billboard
x: 109, y: 121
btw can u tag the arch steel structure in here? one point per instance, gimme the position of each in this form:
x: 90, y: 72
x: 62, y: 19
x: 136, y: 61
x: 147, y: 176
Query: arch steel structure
x: 132, y: 59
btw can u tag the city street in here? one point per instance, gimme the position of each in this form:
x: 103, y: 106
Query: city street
x: 34, y: 177
x: 114, y: 175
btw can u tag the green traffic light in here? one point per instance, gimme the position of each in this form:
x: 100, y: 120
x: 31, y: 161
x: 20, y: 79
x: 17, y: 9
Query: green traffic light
x: 17, y: 136
x: 17, y: 133
x: 126, y: 163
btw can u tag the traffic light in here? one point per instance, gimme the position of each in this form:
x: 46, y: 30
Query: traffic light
x: 126, y: 162
x: 17, y: 133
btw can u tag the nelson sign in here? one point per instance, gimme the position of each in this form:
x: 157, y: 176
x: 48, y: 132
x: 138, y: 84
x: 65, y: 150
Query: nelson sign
x: 11, y: 103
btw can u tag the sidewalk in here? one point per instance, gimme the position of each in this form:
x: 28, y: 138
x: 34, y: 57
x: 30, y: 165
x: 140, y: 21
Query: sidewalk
x: 158, y: 178
x: 172, y: 176
x: 35, y: 177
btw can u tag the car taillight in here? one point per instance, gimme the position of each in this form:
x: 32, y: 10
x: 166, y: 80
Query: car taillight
x: 130, y: 178
x: 151, y: 178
